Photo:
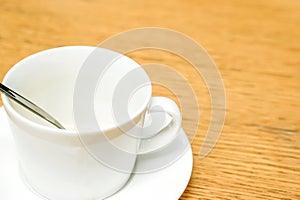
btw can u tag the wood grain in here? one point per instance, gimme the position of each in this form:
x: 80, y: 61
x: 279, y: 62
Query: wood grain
x: 256, y: 47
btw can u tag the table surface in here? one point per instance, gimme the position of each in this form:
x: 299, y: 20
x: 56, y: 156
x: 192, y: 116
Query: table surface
x: 255, y: 45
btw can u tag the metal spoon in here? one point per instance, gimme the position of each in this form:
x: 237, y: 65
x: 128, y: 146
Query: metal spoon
x: 29, y: 105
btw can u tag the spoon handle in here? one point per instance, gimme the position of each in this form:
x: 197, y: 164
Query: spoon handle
x: 29, y: 105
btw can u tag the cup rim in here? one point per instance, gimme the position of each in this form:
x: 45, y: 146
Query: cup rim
x: 54, y: 130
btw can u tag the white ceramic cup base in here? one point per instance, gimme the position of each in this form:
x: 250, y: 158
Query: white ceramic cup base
x: 166, y: 184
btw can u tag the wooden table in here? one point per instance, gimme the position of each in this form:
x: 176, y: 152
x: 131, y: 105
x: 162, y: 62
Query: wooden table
x: 256, y: 47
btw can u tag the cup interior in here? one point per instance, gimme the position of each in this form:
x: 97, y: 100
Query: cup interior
x: 50, y: 79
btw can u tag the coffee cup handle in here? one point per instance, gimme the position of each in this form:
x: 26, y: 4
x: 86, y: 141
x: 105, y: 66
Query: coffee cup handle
x: 159, y: 140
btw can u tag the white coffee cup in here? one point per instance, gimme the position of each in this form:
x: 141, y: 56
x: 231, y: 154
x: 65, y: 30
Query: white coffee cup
x: 62, y: 164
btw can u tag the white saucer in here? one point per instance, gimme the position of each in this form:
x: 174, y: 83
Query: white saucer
x: 167, y: 184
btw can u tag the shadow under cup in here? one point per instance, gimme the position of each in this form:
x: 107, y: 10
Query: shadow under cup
x: 56, y: 163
